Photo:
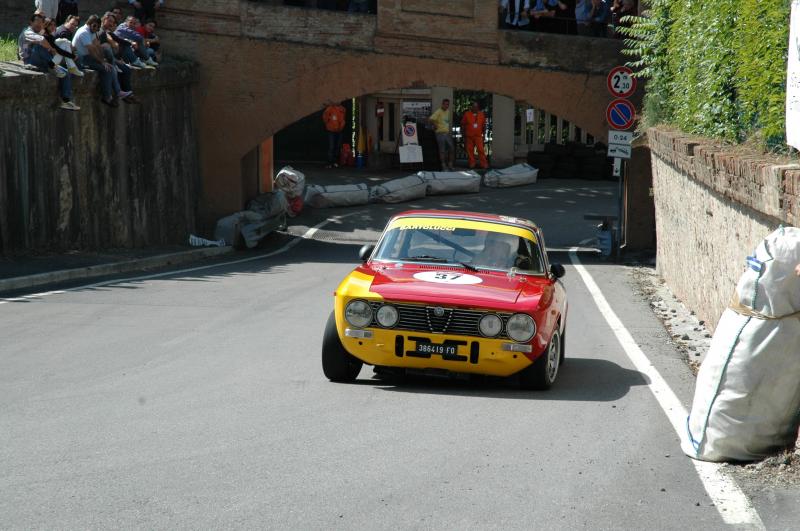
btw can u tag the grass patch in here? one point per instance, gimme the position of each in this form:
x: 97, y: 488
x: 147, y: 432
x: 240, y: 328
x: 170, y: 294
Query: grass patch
x: 8, y: 48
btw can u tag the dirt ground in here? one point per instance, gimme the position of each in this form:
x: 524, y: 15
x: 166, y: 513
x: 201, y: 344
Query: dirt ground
x: 693, y: 339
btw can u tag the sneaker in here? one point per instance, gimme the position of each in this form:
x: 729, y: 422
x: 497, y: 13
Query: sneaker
x: 75, y: 71
x: 60, y: 71
x: 134, y: 66
x: 151, y: 62
x: 70, y: 106
x: 125, y: 93
x: 149, y: 66
x: 139, y: 63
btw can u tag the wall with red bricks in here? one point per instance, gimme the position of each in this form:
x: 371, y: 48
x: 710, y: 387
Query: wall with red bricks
x: 714, y: 204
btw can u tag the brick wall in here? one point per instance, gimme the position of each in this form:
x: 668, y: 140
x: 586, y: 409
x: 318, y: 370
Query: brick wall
x: 714, y: 204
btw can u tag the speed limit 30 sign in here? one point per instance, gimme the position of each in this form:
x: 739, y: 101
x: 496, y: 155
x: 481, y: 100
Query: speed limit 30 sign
x: 621, y: 82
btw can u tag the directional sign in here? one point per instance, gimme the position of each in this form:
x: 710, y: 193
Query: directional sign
x: 619, y: 151
x: 620, y: 137
x: 620, y: 114
x: 621, y: 82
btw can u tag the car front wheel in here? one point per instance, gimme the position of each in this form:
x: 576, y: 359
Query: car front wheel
x: 337, y: 364
x: 542, y: 373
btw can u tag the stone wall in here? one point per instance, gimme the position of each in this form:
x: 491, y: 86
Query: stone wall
x: 101, y: 177
x: 714, y: 204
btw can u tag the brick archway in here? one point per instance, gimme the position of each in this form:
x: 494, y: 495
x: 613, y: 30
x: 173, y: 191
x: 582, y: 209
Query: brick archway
x: 239, y: 111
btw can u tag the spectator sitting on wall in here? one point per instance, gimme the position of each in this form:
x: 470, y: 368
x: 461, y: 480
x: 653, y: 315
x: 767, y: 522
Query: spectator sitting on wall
x: 146, y: 9
x: 359, y: 6
x: 514, y: 13
x: 117, y: 12
x: 48, y: 8
x: 583, y: 17
x: 68, y: 28
x: 148, y: 31
x: 600, y: 14
x: 66, y: 8
x: 90, y: 53
x: 111, y: 48
x: 34, y: 50
x: 334, y: 119
x: 543, y: 13
x: 621, y: 9
x: 141, y: 57
x: 62, y: 47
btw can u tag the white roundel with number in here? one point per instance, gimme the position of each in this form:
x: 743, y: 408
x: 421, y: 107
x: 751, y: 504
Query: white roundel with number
x: 621, y: 82
x: 444, y: 277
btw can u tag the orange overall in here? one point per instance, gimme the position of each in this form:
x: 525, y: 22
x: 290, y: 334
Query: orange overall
x: 472, y: 126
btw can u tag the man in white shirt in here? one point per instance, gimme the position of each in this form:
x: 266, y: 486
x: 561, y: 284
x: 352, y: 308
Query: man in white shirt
x: 90, y: 53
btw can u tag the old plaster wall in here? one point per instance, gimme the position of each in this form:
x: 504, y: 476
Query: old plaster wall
x: 100, y: 177
x: 713, y: 206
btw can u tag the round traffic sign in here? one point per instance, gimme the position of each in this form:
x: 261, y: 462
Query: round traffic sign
x: 620, y: 114
x: 620, y: 82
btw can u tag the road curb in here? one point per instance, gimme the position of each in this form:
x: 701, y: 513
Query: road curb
x: 161, y: 260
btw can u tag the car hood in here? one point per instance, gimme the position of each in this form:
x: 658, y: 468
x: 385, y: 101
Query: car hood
x: 443, y: 285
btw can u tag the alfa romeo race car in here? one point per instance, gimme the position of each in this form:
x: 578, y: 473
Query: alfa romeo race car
x: 457, y: 291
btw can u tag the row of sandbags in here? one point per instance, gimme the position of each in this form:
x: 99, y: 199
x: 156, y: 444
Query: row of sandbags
x: 417, y: 186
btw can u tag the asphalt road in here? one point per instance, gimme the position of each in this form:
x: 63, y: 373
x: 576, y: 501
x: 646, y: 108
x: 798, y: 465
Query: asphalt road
x: 197, y: 400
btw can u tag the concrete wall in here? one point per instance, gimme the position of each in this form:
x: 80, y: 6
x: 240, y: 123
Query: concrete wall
x: 714, y: 204
x: 100, y: 177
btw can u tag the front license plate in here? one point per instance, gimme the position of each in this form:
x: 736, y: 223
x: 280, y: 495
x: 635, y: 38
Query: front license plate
x: 441, y: 350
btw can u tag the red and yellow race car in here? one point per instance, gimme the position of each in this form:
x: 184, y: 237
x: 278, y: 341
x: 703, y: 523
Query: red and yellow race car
x: 457, y: 291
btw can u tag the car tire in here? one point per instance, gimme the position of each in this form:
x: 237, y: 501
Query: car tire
x: 542, y: 373
x: 563, y: 348
x: 337, y: 364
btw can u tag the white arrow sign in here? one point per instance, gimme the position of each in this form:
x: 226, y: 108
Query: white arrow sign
x: 621, y: 151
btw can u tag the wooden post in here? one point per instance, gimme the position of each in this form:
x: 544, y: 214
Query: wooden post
x: 266, y: 169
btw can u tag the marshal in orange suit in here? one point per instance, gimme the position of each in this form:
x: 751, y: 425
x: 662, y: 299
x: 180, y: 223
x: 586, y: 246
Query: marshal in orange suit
x: 473, y: 124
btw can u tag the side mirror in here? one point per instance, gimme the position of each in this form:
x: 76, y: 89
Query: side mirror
x: 557, y: 270
x: 365, y: 252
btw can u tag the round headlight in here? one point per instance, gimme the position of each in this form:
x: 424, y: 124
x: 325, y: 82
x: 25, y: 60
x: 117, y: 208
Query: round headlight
x: 490, y: 325
x: 520, y: 327
x: 387, y: 316
x: 358, y: 313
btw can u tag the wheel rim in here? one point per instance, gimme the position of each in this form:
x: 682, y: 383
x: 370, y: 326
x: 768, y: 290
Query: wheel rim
x: 553, y: 357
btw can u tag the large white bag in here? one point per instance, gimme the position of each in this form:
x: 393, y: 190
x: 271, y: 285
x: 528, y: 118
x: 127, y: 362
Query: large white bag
x: 337, y: 195
x: 399, y: 190
x: 291, y: 181
x: 747, y: 400
x: 516, y: 175
x: 451, y: 182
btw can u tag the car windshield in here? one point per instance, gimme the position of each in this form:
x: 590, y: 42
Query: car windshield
x: 474, y: 249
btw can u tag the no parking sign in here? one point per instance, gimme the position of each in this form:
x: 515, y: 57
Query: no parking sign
x: 620, y: 114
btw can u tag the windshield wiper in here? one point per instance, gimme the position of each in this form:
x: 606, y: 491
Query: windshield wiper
x: 469, y: 266
x: 423, y: 258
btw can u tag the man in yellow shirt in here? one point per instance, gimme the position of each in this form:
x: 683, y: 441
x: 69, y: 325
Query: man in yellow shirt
x: 441, y: 120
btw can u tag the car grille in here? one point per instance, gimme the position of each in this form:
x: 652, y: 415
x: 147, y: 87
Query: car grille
x: 456, y: 321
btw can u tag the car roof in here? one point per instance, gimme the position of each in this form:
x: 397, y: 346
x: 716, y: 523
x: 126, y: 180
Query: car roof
x: 475, y: 216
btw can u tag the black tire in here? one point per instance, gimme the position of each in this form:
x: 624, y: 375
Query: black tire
x: 542, y: 373
x: 563, y: 348
x: 337, y: 364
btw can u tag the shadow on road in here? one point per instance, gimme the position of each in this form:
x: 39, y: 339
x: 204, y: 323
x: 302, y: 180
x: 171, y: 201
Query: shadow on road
x: 580, y: 379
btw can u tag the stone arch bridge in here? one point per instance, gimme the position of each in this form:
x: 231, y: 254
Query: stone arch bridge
x: 263, y: 66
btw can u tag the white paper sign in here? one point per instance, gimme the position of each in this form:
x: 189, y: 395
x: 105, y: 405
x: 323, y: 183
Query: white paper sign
x: 410, y: 154
x: 793, y: 80
x: 529, y: 115
x: 620, y: 137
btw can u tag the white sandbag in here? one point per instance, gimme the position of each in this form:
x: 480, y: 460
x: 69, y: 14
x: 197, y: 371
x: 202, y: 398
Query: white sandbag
x: 399, y: 190
x: 451, y: 182
x: 268, y: 205
x: 228, y: 228
x: 291, y: 181
x: 337, y: 195
x: 747, y: 400
x: 516, y: 175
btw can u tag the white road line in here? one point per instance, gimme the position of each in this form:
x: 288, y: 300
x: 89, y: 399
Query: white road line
x: 307, y: 235
x: 731, y: 503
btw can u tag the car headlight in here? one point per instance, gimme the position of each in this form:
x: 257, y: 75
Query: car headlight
x: 490, y: 325
x: 387, y: 316
x: 520, y: 327
x: 358, y: 313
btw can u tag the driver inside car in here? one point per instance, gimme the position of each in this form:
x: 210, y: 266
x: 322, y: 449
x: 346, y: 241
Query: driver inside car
x: 497, y: 251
